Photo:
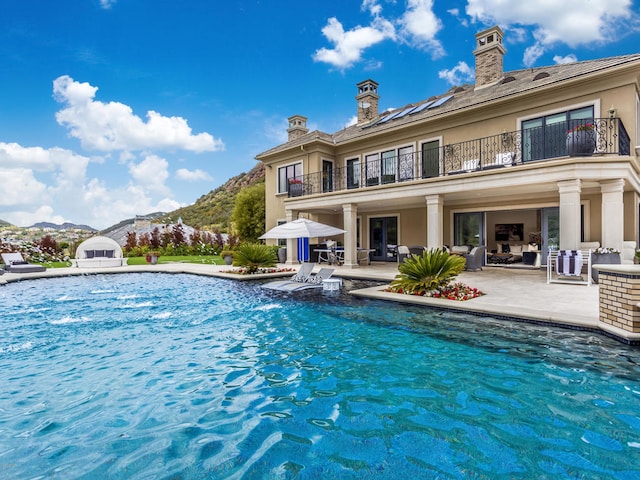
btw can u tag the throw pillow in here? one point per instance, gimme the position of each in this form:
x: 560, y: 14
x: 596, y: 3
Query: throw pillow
x: 506, y: 248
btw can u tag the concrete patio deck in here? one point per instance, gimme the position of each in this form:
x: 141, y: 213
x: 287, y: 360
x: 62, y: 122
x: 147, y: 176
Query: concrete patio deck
x: 512, y: 293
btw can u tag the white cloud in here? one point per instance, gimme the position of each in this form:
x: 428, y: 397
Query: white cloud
x: 53, y: 185
x: 196, y: 175
x: 349, y: 45
x: 151, y: 173
x: 571, y: 58
x: 25, y: 188
x: 114, y: 126
x: 459, y: 74
x: 106, y: 4
x: 572, y: 22
x: 532, y: 54
x: 352, y: 121
x: 420, y: 26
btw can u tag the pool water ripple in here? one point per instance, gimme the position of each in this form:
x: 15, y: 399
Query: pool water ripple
x: 175, y: 376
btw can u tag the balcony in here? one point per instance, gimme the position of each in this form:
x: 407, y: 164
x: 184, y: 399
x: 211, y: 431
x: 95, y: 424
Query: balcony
x: 607, y: 135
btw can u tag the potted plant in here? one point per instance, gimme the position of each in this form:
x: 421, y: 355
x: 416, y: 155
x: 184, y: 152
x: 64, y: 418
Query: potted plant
x: 295, y: 187
x: 152, y: 257
x: 227, y: 256
x: 581, y: 140
x: 603, y: 255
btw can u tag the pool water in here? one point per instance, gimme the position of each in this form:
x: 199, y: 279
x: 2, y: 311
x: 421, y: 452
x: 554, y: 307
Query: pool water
x: 157, y: 376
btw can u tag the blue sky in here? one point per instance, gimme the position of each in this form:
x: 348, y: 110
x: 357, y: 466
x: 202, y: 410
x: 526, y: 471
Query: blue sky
x: 112, y: 108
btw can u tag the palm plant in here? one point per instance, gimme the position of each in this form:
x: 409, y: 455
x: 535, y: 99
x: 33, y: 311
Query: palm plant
x: 424, y: 273
x: 254, y: 256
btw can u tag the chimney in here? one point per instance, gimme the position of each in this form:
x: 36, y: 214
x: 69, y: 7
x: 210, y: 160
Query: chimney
x: 297, y: 126
x: 367, y: 101
x: 489, y: 54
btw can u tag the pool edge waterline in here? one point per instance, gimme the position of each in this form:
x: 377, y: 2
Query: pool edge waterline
x: 530, y: 308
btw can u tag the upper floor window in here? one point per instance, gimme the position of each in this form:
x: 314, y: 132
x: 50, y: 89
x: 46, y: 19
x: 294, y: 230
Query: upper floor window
x: 545, y: 137
x: 287, y: 173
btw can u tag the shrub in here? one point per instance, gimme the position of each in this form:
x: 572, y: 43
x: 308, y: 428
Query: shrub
x: 254, y: 256
x: 420, y: 274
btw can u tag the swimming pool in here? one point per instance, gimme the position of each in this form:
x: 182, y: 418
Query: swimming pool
x: 143, y: 376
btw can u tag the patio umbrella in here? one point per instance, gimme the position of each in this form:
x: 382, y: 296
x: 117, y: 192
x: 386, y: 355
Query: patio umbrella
x: 302, y: 228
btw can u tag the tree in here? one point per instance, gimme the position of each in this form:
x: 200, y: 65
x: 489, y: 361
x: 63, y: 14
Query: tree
x: 132, y: 241
x: 248, y: 213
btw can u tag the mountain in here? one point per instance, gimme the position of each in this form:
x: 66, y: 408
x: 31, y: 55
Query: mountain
x: 130, y: 221
x: 213, y: 210
x: 4, y: 224
x: 64, y: 226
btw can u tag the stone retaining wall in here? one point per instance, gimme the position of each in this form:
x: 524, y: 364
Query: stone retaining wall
x: 620, y: 296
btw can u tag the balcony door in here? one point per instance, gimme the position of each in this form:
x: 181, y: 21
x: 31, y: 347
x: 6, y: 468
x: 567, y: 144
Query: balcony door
x: 430, y: 159
x: 383, y: 238
x: 546, y: 137
x: 327, y: 176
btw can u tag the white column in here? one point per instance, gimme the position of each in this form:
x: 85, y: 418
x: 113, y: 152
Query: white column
x: 350, y: 216
x: 612, y: 213
x: 570, y: 214
x: 292, y: 243
x: 435, y: 213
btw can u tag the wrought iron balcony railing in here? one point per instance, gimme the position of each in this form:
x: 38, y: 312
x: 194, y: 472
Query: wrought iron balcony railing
x: 602, y: 136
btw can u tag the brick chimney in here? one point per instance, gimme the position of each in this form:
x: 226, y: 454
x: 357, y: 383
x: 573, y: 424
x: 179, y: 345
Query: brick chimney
x: 367, y: 101
x: 489, y: 54
x: 297, y: 126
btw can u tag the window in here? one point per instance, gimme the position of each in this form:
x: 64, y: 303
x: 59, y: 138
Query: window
x: 353, y: 173
x: 287, y: 173
x: 545, y: 137
x: 430, y: 159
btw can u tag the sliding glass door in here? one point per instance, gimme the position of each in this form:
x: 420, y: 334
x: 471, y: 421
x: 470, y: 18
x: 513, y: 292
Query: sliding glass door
x: 468, y: 229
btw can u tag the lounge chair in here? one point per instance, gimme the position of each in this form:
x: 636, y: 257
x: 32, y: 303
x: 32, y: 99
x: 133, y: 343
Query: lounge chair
x: 14, y: 263
x: 302, y: 275
x: 475, y: 258
x: 314, y: 281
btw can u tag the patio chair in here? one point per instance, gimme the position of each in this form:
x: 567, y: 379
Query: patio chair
x: 475, y: 258
x: 302, y: 275
x: 417, y: 250
x: 14, y: 263
x: 403, y: 252
x: 314, y: 281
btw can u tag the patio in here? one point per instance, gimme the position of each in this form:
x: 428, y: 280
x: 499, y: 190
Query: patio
x: 518, y: 293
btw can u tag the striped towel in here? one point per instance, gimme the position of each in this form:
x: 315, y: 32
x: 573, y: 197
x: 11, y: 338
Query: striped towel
x: 569, y: 262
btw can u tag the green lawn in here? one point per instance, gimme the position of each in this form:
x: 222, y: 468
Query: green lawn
x: 205, y: 259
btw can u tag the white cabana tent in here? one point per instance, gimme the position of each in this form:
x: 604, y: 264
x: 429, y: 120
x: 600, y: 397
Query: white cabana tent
x: 99, y: 252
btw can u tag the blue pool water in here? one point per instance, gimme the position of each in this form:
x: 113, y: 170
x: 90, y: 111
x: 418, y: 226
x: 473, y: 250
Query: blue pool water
x: 155, y: 376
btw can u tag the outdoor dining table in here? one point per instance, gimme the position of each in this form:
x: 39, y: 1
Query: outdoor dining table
x: 329, y: 255
x: 336, y: 255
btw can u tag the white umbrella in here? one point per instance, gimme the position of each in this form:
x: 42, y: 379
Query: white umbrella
x: 302, y: 228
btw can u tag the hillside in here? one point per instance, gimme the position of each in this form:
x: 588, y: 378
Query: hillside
x: 213, y: 209
x: 63, y: 226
